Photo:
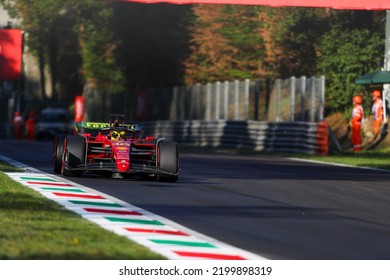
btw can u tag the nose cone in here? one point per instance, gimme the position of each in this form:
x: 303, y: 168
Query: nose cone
x: 123, y: 165
x: 121, y: 155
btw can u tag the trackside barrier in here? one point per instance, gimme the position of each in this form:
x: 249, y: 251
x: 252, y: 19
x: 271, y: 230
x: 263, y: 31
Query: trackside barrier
x: 295, y: 137
x: 6, y: 130
x: 322, y: 138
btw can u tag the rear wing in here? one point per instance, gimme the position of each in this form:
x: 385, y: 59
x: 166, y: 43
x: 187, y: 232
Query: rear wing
x: 82, y: 127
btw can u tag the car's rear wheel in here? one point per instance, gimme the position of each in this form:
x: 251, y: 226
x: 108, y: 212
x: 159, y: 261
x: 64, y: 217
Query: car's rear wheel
x: 74, y: 155
x: 168, y: 161
x: 58, y: 152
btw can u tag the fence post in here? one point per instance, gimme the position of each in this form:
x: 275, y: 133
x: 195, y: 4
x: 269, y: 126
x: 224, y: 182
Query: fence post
x: 226, y: 100
x: 246, y: 99
x: 303, y: 93
x: 277, y: 99
x: 256, y: 102
x: 322, y: 98
x: 197, y: 93
x: 217, y: 99
x: 268, y: 93
x: 292, y: 96
x: 236, y: 98
x: 208, y: 101
x: 312, y: 98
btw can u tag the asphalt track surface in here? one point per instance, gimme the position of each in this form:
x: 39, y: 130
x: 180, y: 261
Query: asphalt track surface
x: 278, y: 208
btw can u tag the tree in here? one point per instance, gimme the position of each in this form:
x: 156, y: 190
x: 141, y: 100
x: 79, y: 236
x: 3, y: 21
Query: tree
x: 84, y: 40
x: 296, y: 31
x: 73, y: 39
x: 97, y: 46
x: 226, y: 43
x: 341, y: 45
x: 353, y: 45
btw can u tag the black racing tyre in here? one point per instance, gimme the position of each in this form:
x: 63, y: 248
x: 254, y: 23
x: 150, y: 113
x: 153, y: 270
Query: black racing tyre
x: 74, y: 155
x: 57, y: 152
x: 168, y: 160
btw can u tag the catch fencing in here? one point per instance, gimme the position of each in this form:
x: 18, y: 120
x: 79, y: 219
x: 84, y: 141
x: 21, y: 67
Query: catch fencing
x: 282, y: 115
x: 281, y: 100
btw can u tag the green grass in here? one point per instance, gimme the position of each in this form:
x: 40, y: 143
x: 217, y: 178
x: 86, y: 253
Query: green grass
x: 34, y: 227
x: 379, y: 158
x: 8, y: 168
x: 374, y: 159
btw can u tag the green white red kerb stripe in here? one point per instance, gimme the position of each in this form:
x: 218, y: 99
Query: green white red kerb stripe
x: 155, y: 232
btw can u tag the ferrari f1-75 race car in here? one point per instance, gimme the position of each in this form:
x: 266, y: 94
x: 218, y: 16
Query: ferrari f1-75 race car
x: 117, y: 149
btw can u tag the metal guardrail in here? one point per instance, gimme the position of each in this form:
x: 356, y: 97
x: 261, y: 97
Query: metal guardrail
x: 297, y: 137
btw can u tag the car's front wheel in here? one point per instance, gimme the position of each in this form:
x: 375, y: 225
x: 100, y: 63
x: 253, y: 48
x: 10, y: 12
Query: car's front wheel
x: 58, y: 152
x: 168, y: 161
x: 74, y: 155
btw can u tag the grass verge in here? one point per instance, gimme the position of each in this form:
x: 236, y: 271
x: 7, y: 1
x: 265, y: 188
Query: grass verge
x: 379, y: 158
x: 34, y: 227
x: 373, y: 159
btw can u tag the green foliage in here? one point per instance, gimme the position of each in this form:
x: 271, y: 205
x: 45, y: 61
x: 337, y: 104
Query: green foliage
x: 296, y: 35
x: 241, y: 30
x: 97, y: 46
x: 341, y: 45
x: 344, y: 55
x: 226, y: 43
x: 159, y: 45
x: 73, y: 39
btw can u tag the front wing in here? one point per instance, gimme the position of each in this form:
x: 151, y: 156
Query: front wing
x: 111, y: 167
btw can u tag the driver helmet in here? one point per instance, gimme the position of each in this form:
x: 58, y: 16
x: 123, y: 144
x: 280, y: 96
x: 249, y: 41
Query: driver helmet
x: 115, y: 135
